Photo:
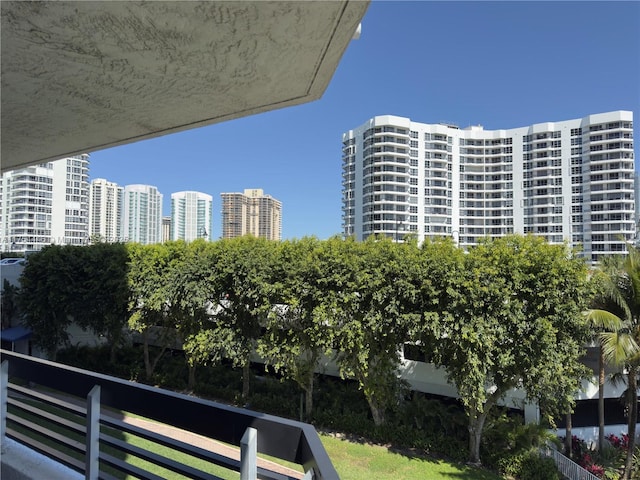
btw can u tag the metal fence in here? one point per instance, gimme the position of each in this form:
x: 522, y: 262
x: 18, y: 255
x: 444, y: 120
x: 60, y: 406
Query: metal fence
x: 87, y: 446
x: 567, y: 467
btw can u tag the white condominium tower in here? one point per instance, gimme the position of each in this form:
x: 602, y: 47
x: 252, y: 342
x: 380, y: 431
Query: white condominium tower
x: 105, y: 210
x: 45, y: 204
x: 142, y: 214
x: 251, y: 212
x: 191, y: 216
x: 568, y: 181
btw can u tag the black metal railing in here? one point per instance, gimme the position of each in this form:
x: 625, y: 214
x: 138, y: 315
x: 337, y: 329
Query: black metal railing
x: 281, y: 438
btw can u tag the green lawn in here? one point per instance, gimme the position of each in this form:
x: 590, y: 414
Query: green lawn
x: 356, y: 461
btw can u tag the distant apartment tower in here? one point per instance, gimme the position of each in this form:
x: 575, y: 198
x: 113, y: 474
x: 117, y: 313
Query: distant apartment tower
x: 166, y: 229
x: 251, y: 212
x: 142, y: 214
x: 191, y: 216
x: 567, y: 181
x: 105, y: 210
x: 45, y: 204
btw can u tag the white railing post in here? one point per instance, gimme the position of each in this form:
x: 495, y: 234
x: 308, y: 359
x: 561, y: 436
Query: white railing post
x: 92, y: 455
x: 4, y: 398
x: 249, y: 455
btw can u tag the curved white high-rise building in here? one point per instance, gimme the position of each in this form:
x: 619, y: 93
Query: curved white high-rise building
x: 191, y: 216
x: 567, y: 181
x: 142, y: 214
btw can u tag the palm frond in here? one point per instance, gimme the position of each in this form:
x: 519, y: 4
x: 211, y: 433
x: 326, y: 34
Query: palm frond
x: 604, y: 320
x: 618, y: 347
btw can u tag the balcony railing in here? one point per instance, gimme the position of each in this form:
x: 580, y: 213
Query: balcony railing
x: 250, y: 431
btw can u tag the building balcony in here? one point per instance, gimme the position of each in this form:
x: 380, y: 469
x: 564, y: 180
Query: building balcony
x: 90, y: 407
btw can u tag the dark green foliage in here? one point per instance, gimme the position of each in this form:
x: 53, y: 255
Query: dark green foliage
x: 128, y: 363
x: 528, y: 465
x: 536, y: 467
x: 46, y: 296
x: 86, y: 285
x: 507, y: 441
x: 9, y: 307
x: 275, y: 396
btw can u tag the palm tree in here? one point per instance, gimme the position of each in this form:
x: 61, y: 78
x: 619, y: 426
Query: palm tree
x: 601, y: 319
x: 621, y: 346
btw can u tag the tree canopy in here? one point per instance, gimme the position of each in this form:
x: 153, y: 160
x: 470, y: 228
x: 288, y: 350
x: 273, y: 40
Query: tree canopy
x: 505, y: 315
x: 514, y: 320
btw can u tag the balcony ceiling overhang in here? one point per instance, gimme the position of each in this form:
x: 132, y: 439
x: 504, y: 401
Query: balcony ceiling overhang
x: 82, y: 76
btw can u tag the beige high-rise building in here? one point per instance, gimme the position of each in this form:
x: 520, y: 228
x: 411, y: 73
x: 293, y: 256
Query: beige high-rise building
x: 166, y: 229
x: 105, y: 210
x: 251, y: 212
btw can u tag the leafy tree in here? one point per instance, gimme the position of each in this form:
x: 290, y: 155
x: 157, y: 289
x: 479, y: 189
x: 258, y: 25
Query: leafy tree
x: 153, y: 305
x: 9, y: 308
x: 46, y: 294
x: 101, y: 298
x: 195, y: 294
x: 622, y: 346
x: 514, y: 321
x: 297, y: 334
x: 244, y: 275
x: 372, y: 311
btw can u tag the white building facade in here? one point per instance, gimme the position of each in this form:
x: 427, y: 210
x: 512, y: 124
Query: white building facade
x: 45, y: 204
x: 567, y: 181
x: 105, y: 210
x: 142, y: 214
x: 191, y: 216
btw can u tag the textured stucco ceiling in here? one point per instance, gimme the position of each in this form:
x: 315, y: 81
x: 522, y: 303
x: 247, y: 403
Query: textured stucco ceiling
x: 81, y: 76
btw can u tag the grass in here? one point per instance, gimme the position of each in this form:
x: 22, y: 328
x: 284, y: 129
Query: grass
x: 358, y: 461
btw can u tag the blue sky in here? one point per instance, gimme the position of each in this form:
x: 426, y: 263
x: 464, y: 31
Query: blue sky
x: 498, y: 64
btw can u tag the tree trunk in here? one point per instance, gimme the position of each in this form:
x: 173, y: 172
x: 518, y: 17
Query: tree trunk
x: 601, y: 399
x: 246, y: 373
x: 308, y: 398
x: 633, y: 418
x: 155, y: 362
x: 568, y: 443
x: 147, y: 362
x: 377, y: 412
x: 192, y: 377
x: 476, y: 425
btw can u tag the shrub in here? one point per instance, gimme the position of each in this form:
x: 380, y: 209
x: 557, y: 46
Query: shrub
x: 536, y: 467
x: 511, y: 464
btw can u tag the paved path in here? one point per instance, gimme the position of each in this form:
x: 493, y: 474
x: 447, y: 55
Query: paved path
x: 203, y: 442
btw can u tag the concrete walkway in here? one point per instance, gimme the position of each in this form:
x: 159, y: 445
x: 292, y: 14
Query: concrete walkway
x: 202, y: 442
